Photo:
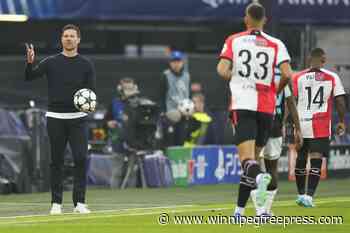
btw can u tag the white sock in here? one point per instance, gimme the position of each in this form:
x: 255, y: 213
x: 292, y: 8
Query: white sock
x: 269, y: 201
x: 239, y: 210
x: 259, y: 210
x: 253, y: 196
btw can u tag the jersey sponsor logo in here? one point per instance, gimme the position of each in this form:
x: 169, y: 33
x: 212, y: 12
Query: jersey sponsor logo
x: 261, y: 43
x: 249, y: 39
x: 248, y: 86
x: 310, y: 76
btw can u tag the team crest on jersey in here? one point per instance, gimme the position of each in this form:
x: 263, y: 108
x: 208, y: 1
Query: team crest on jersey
x: 319, y: 76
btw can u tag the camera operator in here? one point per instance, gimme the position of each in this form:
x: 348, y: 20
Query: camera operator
x: 138, y: 129
x: 114, y: 117
x: 131, y: 119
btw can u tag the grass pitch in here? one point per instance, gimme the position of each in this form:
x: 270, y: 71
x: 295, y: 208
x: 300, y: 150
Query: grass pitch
x: 140, y: 210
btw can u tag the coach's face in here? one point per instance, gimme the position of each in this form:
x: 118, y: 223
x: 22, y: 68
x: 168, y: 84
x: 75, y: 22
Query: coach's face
x: 70, y: 39
x: 176, y: 65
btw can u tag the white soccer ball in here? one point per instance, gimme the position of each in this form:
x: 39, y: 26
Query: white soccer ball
x: 186, y: 107
x: 85, y: 100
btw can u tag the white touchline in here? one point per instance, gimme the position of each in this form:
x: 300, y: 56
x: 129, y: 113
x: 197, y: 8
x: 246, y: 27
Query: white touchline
x: 101, y: 211
x: 68, y: 204
x: 195, y: 208
x: 83, y: 217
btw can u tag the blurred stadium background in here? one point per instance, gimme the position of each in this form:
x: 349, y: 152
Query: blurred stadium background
x: 130, y: 38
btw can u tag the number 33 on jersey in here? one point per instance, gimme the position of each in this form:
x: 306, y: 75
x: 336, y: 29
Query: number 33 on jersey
x: 254, y: 56
x: 315, y: 90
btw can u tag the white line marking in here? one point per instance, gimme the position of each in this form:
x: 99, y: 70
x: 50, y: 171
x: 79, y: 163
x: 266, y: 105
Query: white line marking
x: 101, y: 211
x: 119, y: 213
x: 67, y: 204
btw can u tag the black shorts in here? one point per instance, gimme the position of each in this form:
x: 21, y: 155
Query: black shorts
x: 250, y: 125
x: 318, y: 145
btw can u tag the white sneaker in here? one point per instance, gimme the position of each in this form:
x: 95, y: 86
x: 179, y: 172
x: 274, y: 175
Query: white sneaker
x: 262, y: 181
x: 308, y: 202
x: 81, y: 208
x: 56, y: 209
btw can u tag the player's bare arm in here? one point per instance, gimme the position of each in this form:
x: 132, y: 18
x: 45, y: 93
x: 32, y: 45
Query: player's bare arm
x: 340, y: 106
x: 224, y: 69
x: 286, y: 75
x: 292, y: 109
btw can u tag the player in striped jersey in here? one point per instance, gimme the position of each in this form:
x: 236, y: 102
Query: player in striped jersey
x: 315, y: 89
x: 248, y: 60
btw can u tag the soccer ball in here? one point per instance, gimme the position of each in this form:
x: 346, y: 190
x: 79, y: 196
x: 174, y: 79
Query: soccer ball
x: 85, y: 100
x: 186, y: 107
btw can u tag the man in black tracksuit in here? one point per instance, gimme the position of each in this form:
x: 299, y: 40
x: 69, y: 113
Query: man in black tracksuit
x: 66, y: 73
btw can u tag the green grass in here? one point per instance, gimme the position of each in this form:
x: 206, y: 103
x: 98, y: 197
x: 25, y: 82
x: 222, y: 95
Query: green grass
x: 138, y: 210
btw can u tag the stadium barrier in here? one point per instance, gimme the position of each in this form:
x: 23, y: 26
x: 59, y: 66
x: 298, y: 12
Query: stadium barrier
x: 204, y: 165
x: 220, y: 164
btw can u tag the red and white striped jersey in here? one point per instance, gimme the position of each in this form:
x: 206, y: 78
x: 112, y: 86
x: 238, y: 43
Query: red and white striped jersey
x: 315, y: 90
x: 254, y: 56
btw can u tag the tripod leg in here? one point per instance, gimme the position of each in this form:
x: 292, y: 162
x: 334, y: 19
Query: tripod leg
x: 142, y: 172
x: 131, y: 164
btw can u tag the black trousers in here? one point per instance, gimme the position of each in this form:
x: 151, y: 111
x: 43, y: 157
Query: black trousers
x: 75, y: 132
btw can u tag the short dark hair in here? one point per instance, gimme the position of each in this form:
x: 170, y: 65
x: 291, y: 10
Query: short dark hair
x: 73, y: 27
x: 126, y: 80
x: 317, y: 53
x: 256, y: 11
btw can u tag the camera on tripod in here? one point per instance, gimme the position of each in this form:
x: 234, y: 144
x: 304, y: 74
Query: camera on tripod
x: 140, y: 123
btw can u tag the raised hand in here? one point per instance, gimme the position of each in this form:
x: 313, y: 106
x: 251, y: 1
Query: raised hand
x: 30, y: 53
